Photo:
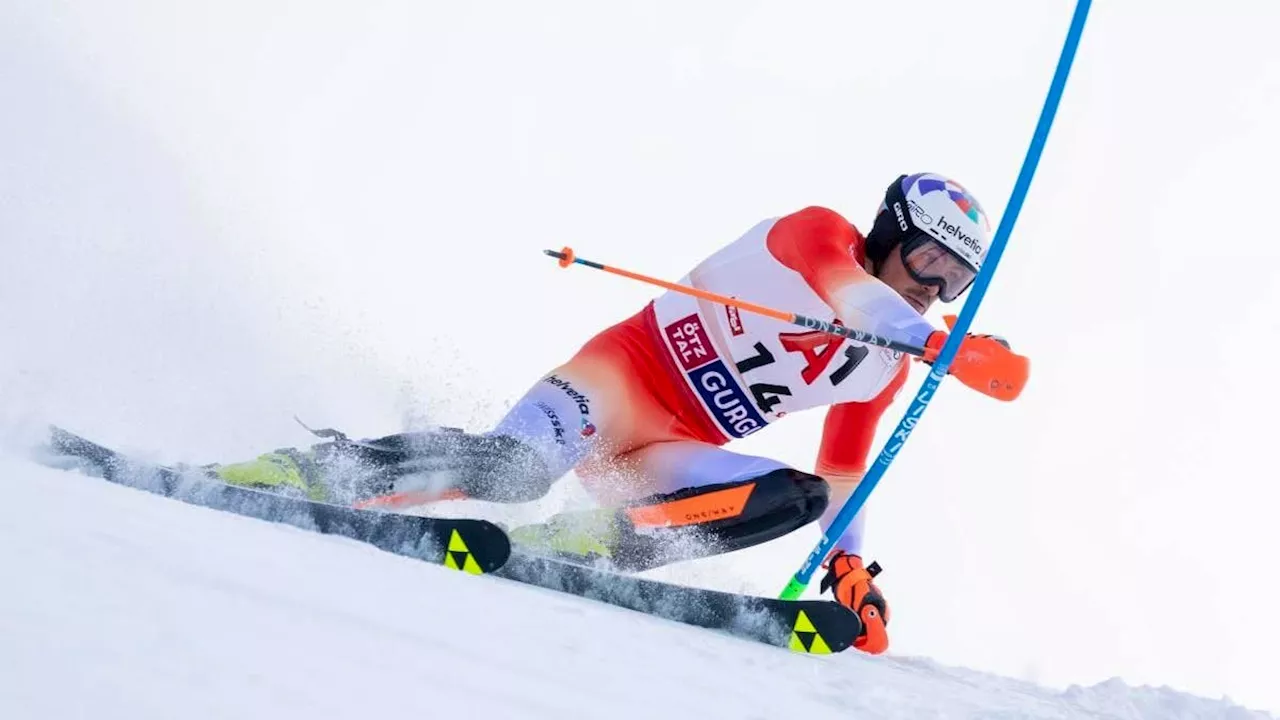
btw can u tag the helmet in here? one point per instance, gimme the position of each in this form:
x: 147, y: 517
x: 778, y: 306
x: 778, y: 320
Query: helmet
x: 941, y: 230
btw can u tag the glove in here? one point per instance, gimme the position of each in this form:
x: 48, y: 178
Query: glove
x: 984, y: 363
x: 851, y: 586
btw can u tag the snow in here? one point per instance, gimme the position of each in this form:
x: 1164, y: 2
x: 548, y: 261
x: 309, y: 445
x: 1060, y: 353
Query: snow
x: 121, y: 604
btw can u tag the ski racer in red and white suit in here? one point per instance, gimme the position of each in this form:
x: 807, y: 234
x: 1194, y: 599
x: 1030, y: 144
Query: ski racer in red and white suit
x: 649, y: 402
x: 643, y: 410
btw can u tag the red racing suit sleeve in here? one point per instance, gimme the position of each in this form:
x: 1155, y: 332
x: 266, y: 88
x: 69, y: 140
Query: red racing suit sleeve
x: 847, y: 434
x: 830, y: 254
x: 823, y: 247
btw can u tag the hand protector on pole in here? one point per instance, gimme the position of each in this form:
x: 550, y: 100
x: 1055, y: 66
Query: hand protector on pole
x: 851, y: 585
x: 984, y: 363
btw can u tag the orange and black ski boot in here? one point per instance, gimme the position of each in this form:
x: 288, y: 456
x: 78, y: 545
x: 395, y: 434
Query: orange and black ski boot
x: 852, y: 587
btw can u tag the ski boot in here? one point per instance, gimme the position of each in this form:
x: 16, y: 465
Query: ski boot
x: 851, y: 585
x: 610, y: 539
x: 286, y: 472
x: 587, y: 537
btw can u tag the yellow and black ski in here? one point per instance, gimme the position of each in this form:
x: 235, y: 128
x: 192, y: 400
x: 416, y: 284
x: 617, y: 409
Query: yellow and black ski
x: 470, y: 545
x: 818, y: 627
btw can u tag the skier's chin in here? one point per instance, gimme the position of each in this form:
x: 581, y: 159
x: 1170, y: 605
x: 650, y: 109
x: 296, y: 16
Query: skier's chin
x: 921, y: 306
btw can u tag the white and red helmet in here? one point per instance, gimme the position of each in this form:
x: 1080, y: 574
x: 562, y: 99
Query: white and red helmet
x: 941, y: 229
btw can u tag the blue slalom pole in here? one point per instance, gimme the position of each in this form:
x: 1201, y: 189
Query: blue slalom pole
x: 800, y: 580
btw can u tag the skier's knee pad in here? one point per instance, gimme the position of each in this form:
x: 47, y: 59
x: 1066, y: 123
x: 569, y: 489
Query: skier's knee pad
x: 495, y: 468
x: 790, y: 497
x: 504, y: 469
x: 742, y: 513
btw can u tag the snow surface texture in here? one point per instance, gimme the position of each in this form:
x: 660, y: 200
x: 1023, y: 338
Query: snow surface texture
x: 120, y: 604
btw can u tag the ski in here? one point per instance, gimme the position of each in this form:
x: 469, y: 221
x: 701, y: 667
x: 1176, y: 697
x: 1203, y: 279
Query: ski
x: 480, y: 547
x: 470, y: 545
x: 817, y: 627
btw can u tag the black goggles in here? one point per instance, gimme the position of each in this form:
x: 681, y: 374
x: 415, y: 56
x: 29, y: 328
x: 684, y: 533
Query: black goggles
x: 929, y: 262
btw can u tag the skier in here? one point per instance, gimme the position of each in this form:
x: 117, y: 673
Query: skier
x: 642, y: 410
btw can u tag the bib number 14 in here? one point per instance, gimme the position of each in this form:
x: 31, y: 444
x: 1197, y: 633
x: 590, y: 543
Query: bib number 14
x: 819, y: 350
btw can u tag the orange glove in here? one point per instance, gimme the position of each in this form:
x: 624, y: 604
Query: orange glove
x: 851, y: 586
x: 984, y: 363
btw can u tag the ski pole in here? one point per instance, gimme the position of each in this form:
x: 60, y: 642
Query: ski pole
x: 567, y: 258
x: 909, y: 421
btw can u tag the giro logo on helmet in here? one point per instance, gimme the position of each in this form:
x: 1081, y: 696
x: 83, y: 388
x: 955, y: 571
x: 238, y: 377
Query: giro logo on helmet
x: 918, y: 212
x: 902, y: 220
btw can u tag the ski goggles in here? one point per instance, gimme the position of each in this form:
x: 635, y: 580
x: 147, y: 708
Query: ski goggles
x: 929, y: 262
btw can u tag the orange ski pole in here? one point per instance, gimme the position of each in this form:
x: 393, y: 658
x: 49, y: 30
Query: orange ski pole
x: 567, y: 258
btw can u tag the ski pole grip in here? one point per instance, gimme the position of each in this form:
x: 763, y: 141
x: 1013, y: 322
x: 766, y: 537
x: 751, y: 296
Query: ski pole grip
x: 564, y: 255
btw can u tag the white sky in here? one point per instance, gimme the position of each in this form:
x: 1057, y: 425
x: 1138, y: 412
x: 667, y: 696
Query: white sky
x: 217, y: 215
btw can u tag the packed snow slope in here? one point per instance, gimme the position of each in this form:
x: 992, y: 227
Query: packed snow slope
x: 123, y: 604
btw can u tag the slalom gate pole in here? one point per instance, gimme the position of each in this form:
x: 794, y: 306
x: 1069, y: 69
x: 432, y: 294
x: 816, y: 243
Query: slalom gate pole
x: 567, y: 258
x: 840, y: 523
